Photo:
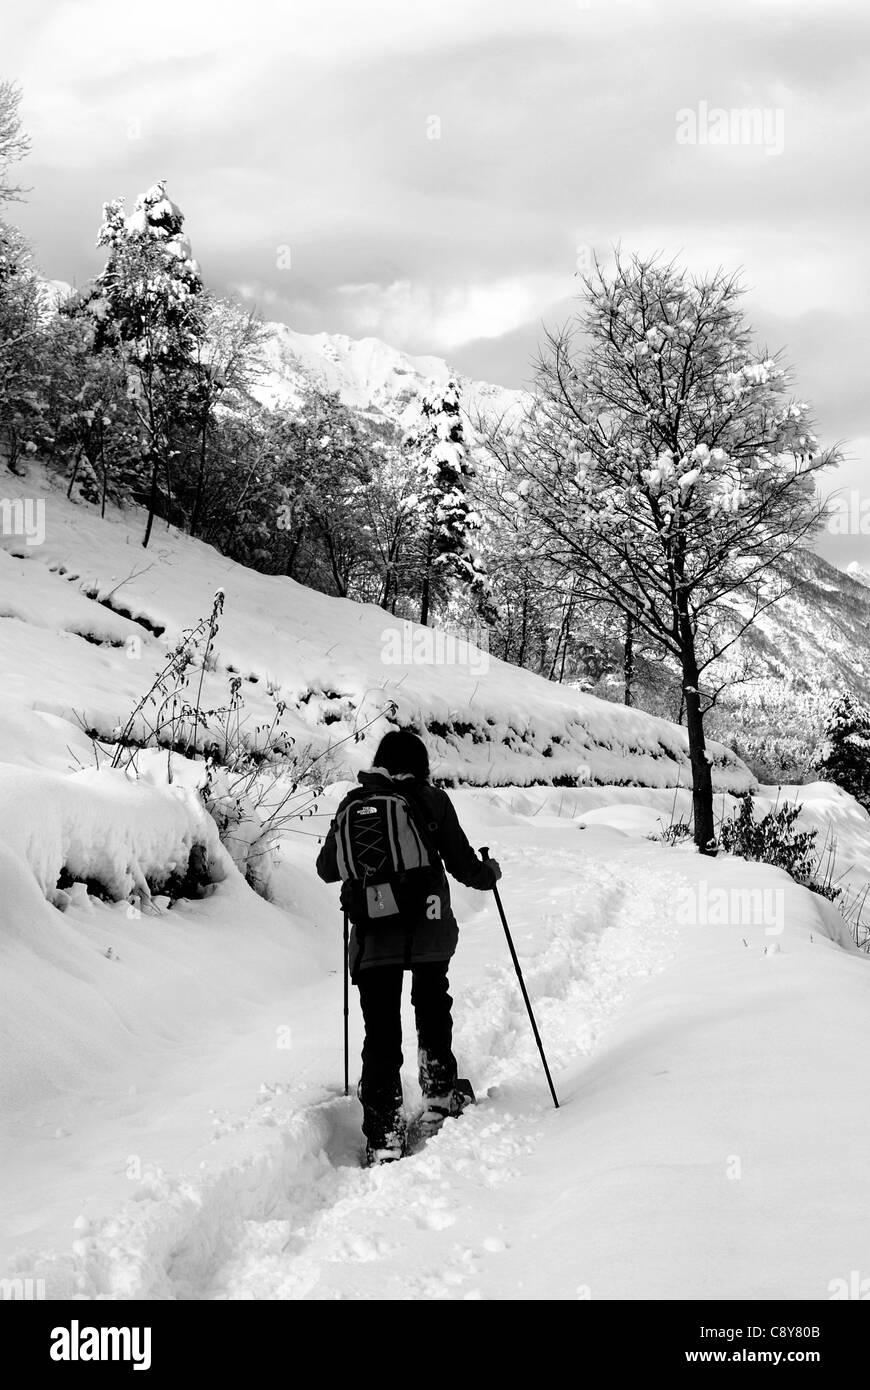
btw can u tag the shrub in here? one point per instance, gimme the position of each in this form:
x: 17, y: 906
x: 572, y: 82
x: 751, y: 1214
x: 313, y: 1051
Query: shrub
x: 775, y: 840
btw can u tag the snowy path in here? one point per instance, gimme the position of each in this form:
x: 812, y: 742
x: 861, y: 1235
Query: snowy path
x: 404, y: 1232
x: 668, y: 1044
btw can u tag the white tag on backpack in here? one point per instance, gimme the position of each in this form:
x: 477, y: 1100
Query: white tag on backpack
x: 380, y: 900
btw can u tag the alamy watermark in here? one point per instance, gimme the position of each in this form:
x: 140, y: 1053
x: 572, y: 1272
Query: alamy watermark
x: 715, y: 125
x: 702, y: 906
x: 22, y: 1290
x: 848, y: 514
x: 24, y: 517
x: 408, y: 644
x: 77, y: 1343
x: 854, y: 1287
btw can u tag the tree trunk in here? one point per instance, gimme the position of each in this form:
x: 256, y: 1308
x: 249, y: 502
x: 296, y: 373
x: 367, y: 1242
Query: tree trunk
x: 702, y: 777
x: 200, y: 478
x: 524, y: 626
x: 291, y: 558
x: 628, y: 657
x: 152, y: 502
x: 427, y: 582
x: 75, y: 470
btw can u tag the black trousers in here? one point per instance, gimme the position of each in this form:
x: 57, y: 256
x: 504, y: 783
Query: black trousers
x: 380, y: 1089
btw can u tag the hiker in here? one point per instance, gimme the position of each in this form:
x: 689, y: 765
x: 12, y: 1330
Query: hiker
x: 389, y: 843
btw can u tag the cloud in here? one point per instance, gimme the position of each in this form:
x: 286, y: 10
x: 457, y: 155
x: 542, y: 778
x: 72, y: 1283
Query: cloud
x: 444, y: 317
x: 306, y: 124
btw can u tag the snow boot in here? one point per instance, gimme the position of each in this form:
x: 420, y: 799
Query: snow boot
x: 388, y: 1151
x: 437, y: 1109
x: 375, y: 1158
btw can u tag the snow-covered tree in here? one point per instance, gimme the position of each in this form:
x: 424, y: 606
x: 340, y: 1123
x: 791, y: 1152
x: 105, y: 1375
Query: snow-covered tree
x: 323, y: 468
x: 22, y: 366
x: 669, y: 469
x: 145, y: 305
x: 14, y: 144
x: 843, y: 755
x: 447, y: 520
x: 226, y: 358
x: 91, y: 429
x: 389, y: 516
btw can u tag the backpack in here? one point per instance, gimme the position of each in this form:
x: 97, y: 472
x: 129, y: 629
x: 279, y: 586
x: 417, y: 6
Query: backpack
x: 387, y: 860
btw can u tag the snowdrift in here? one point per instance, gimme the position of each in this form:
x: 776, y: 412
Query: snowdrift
x: 105, y: 828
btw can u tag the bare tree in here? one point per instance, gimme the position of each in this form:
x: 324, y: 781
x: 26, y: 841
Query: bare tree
x: 14, y: 144
x: 666, y: 465
x: 227, y: 357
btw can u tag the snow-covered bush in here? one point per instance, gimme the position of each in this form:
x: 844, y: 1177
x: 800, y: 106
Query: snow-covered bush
x: 775, y: 840
x: 125, y: 839
x: 843, y: 756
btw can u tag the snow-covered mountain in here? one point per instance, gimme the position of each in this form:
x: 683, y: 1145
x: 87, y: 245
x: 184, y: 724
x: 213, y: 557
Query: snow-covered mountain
x: 368, y: 374
x: 858, y: 572
x: 812, y: 644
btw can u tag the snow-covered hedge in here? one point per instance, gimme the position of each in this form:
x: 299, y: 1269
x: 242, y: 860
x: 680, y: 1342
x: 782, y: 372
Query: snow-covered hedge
x: 105, y: 828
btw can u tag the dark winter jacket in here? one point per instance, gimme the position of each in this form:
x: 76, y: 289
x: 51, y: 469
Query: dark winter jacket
x: 428, y: 938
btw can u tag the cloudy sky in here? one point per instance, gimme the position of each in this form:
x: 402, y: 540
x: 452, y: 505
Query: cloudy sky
x: 432, y: 172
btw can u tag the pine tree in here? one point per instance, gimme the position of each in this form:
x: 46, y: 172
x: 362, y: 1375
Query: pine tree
x: 144, y: 305
x: 843, y: 756
x: 446, y: 516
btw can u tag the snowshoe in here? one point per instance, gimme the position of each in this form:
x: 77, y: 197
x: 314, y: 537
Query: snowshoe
x: 437, y: 1109
x: 375, y: 1158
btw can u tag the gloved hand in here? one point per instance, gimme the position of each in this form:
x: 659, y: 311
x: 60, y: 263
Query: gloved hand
x: 496, y: 868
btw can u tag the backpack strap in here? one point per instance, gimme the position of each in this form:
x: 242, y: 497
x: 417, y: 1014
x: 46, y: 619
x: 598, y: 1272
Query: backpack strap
x: 425, y: 828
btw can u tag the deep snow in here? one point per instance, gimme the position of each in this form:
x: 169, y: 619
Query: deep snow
x: 702, y: 1069
x: 172, y: 1118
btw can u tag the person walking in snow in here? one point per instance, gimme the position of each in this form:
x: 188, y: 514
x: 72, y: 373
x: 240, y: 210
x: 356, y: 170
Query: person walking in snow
x: 389, y: 843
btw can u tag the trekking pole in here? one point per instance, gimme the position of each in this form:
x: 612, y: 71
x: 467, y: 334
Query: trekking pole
x: 346, y: 1011
x: 484, y: 854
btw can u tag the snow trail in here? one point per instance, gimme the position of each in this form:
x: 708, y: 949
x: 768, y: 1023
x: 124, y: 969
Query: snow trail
x: 660, y: 1157
x: 338, y: 1230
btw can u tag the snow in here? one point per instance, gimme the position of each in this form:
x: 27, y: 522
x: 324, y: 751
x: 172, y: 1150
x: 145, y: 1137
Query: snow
x: 100, y: 825
x: 368, y: 374
x: 67, y: 653
x: 173, y: 1123
x: 701, y: 1078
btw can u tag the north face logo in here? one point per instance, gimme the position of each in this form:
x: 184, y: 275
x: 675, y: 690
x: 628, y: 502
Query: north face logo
x: 368, y: 811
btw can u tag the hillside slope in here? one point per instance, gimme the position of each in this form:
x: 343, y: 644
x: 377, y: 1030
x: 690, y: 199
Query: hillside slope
x: 812, y: 644
x: 817, y: 639
x: 87, y: 618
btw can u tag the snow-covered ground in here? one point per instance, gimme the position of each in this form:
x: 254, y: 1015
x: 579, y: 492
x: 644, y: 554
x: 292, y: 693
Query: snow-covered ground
x: 173, y: 1122
x: 706, y: 1071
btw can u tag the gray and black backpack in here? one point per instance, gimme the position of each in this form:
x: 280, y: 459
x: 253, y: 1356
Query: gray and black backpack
x: 386, y: 856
